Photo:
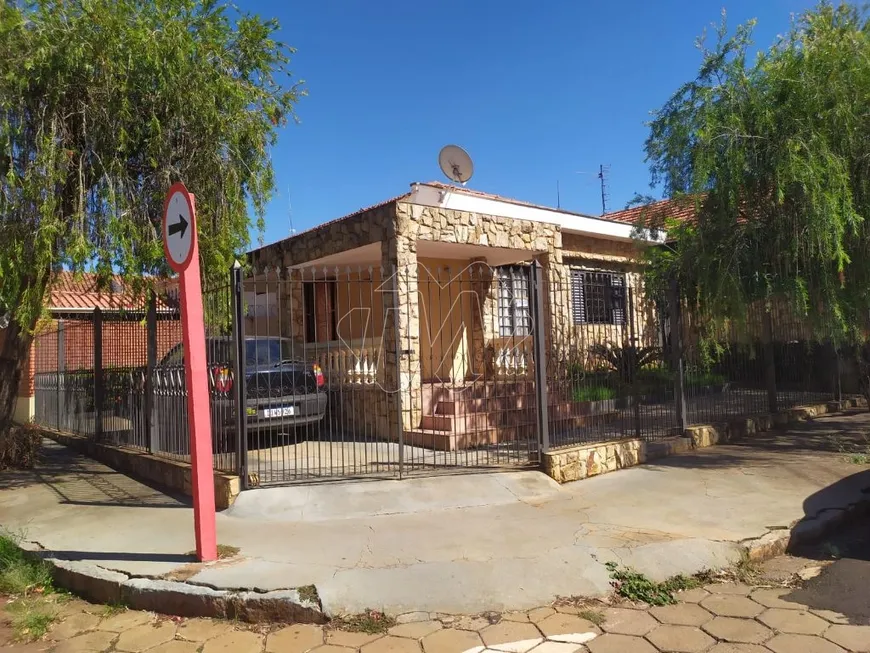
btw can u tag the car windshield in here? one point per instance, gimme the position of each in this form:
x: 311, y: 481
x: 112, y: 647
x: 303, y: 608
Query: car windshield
x: 265, y: 352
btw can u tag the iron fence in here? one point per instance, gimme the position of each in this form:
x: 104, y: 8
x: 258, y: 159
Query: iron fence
x: 117, y: 377
x: 320, y: 373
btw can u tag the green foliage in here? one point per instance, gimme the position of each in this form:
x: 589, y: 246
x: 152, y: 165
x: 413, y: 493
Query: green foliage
x: 626, y: 359
x: 31, y: 618
x: 370, y: 621
x: 596, y: 617
x: 634, y: 586
x: 703, y: 378
x: 20, y: 574
x: 309, y: 593
x: 105, y: 103
x: 773, y: 152
x: 593, y: 393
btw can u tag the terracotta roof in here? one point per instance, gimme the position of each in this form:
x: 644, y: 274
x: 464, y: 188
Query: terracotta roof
x: 80, y: 292
x: 679, y: 209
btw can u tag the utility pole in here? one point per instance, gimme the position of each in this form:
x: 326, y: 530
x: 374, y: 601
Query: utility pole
x: 603, y: 170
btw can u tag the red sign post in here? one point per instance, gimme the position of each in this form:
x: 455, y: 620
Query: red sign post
x: 182, y: 252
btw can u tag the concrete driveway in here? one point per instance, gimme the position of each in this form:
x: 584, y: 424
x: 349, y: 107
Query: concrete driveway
x: 453, y: 544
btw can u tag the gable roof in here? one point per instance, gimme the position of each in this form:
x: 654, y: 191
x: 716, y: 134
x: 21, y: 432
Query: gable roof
x: 81, y: 292
x: 681, y: 209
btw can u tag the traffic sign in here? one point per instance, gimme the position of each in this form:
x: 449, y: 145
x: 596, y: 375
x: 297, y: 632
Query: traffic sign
x: 182, y: 252
x: 179, y: 229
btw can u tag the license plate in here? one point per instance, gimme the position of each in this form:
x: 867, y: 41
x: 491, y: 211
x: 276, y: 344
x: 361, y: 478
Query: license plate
x: 283, y: 411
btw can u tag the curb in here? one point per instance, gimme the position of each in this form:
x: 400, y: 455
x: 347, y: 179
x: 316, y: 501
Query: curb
x: 804, y: 531
x: 102, y: 585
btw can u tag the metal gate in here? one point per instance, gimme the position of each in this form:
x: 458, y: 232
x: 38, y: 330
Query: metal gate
x: 369, y: 372
x: 433, y: 368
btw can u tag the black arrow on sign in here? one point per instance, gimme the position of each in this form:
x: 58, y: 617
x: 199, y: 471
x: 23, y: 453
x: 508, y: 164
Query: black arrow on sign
x: 178, y: 227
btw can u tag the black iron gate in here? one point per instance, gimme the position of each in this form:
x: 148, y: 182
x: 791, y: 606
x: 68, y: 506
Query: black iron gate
x: 324, y: 373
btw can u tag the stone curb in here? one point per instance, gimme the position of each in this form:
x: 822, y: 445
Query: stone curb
x: 804, y: 531
x: 584, y: 460
x: 177, y: 598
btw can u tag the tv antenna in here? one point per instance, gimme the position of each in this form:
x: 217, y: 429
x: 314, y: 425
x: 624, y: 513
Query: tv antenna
x: 603, y: 171
x: 455, y: 164
x: 290, y: 212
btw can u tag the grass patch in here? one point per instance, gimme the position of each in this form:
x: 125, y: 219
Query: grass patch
x: 28, y: 581
x: 21, y: 575
x: 857, y: 453
x: 309, y: 593
x: 371, y: 621
x: 594, y: 616
x: 703, y: 379
x: 31, y: 618
x: 111, y: 609
x: 634, y: 586
x: 593, y: 393
x: 224, y: 551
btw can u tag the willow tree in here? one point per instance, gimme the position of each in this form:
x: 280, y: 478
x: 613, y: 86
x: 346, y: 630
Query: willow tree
x: 774, y: 150
x: 105, y: 103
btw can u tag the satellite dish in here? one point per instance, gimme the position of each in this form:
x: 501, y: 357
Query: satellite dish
x: 455, y: 163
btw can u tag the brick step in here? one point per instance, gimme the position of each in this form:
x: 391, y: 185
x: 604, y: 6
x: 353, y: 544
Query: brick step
x: 464, y: 406
x: 433, y: 392
x: 458, y: 423
x: 446, y: 441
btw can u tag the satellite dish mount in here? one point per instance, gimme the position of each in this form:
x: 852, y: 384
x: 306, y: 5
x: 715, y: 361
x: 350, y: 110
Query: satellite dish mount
x: 455, y: 164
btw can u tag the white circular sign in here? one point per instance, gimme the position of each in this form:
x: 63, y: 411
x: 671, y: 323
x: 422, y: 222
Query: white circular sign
x: 178, y: 228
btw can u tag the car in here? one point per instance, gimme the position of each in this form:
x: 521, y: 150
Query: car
x: 283, y: 391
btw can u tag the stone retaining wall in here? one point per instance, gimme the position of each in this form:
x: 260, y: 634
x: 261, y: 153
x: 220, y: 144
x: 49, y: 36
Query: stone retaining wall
x: 574, y: 463
x: 168, y: 474
x: 579, y: 462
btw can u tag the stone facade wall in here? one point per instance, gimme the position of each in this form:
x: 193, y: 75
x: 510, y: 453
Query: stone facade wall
x: 599, y: 249
x: 582, y: 461
x: 370, y: 226
x: 398, y: 226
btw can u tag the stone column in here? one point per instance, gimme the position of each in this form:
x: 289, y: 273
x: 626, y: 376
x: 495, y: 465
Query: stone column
x: 401, y: 341
x: 484, y: 317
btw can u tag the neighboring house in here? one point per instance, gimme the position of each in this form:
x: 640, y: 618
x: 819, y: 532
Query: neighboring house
x: 428, y: 293
x: 65, y: 338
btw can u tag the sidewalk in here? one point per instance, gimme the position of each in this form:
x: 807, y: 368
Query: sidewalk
x: 777, y: 612
x: 456, y: 544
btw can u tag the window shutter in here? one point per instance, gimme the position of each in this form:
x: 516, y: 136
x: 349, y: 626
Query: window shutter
x: 618, y: 298
x: 578, y: 307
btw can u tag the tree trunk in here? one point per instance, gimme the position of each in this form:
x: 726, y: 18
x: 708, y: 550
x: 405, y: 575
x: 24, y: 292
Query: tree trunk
x: 13, y: 357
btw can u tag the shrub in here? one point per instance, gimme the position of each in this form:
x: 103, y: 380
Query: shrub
x: 20, y: 448
x: 703, y: 378
x: 593, y: 393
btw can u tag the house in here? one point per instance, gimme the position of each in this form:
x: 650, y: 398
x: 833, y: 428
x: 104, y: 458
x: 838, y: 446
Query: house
x: 423, y: 304
x: 64, y: 341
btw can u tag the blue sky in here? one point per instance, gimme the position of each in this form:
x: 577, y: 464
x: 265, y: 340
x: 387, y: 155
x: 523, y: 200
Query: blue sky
x: 535, y: 91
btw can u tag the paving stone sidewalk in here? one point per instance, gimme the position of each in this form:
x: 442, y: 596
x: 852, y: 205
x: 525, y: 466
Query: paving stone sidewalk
x: 719, y: 618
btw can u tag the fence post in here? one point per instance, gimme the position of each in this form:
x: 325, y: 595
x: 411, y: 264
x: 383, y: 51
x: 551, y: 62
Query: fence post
x: 540, y: 341
x: 769, y: 361
x: 632, y: 335
x: 677, y: 358
x: 239, y: 366
x: 838, y: 375
x: 397, y: 323
x: 99, y: 390
x: 151, y: 364
x: 60, y: 386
